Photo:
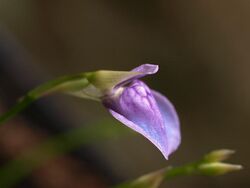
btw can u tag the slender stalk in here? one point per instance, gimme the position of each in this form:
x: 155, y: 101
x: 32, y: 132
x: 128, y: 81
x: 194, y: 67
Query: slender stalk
x: 75, y: 82
x: 20, y: 106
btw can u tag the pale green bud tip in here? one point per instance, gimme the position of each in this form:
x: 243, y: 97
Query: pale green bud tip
x: 218, y: 155
x: 218, y: 168
x: 151, y: 180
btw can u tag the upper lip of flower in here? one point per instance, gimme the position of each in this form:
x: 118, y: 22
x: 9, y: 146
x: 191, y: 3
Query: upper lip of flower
x: 143, y: 70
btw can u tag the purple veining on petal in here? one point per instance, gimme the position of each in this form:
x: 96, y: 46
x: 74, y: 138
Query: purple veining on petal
x: 137, y: 108
x: 145, y: 69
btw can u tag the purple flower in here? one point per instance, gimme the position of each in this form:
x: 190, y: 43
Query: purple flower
x: 134, y: 104
x: 144, y: 110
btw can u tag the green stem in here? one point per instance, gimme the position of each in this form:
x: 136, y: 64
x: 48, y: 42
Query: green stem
x: 20, y: 106
x: 188, y: 169
x: 75, y: 82
x: 154, y: 179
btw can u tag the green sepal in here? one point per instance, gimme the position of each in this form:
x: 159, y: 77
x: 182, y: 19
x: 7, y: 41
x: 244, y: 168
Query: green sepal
x: 102, y: 83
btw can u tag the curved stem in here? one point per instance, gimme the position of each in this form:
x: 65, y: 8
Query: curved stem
x: 20, y: 106
x: 68, y: 83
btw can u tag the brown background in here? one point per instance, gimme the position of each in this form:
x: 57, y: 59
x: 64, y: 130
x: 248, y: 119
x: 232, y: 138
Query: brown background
x: 202, y: 48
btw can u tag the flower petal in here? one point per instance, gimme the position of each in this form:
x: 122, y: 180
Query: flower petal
x: 147, y: 69
x: 142, y: 70
x: 137, y: 108
x: 171, y: 121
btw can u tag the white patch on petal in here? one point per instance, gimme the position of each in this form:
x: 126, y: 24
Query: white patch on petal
x: 141, y: 91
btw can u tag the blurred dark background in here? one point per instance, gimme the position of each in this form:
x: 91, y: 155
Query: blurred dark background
x: 202, y: 48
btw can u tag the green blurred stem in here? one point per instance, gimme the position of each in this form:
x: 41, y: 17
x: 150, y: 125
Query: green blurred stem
x: 15, y: 170
x: 189, y: 169
x: 75, y: 82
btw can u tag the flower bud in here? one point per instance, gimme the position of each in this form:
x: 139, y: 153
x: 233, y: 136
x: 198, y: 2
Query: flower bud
x: 218, y: 155
x: 151, y: 180
x: 218, y: 168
